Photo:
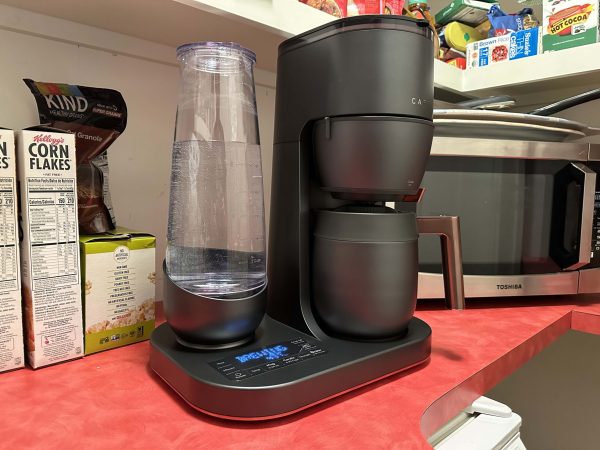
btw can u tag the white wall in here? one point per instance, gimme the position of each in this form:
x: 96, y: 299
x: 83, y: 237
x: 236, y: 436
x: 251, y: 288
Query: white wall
x: 140, y: 158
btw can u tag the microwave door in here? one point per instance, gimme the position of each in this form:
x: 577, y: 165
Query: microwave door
x: 572, y: 216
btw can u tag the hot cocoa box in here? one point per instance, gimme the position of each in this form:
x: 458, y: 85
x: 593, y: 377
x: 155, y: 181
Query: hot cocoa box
x: 118, y: 272
x: 569, y: 23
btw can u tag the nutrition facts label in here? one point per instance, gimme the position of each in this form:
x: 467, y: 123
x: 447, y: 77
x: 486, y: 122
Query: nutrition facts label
x: 53, y: 229
x: 9, y: 269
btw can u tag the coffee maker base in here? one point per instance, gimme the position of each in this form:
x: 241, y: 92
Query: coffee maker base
x: 282, y: 371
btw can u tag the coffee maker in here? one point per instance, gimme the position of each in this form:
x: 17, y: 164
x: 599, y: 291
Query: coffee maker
x: 353, y: 131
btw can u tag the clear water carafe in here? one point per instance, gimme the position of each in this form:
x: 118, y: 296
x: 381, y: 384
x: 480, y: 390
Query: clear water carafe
x: 216, y: 232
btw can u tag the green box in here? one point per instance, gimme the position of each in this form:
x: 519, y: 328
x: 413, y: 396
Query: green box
x: 117, y: 276
x: 471, y: 12
x: 569, y: 23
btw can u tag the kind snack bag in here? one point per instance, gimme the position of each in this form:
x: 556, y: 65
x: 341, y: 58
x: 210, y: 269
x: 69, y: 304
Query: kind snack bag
x: 569, y: 23
x: 51, y: 287
x: 97, y: 117
x: 11, y: 321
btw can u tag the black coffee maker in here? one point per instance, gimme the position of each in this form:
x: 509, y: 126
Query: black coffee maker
x: 353, y: 131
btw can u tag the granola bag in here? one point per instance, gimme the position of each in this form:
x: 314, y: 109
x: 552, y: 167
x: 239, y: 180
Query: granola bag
x: 97, y: 117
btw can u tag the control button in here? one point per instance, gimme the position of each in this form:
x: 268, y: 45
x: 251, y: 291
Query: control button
x: 272, y: 365
x: 255, y: 371
x: 238, y: 376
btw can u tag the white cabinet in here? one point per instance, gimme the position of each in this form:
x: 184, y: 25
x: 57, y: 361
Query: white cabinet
x: 263, y: 24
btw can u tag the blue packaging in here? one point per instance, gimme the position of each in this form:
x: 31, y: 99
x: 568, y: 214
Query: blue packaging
x: 508, y: 47
x: 524, y: 43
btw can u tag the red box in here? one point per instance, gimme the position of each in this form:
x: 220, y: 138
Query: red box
x: 361, y: 7
x: 337, y: 8
x: 393, y: 7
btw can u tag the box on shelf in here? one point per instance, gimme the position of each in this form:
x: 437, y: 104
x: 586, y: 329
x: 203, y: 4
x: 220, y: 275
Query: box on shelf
x: 51, y: 285
x: 118, y: 282
x: 517, y: 45
x: 569, y: 23
x: 12, y: 353
x: 470, y: 12
x: 337, y: 8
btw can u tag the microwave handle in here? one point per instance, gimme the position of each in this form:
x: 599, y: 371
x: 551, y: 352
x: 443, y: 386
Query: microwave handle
x: 570, y: 247
x: 448, y: 229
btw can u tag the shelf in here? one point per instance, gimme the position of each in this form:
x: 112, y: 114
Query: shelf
x: 575, y: 68
x: 262, y: 24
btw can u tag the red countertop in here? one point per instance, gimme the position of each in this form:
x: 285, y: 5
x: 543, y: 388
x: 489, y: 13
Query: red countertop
x: 113, y: 399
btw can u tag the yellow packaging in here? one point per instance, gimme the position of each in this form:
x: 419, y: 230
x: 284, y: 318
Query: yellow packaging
x: 458, y: 35
x: 118, y: 272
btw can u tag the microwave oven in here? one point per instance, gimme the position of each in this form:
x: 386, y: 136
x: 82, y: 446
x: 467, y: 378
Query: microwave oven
x: 529, y: 216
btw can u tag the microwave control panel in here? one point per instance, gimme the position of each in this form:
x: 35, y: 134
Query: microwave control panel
x: 595, y: 255
x: 595, y: 247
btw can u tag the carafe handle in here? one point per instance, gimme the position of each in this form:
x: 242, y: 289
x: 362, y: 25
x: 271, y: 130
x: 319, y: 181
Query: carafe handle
x: 448, y: 229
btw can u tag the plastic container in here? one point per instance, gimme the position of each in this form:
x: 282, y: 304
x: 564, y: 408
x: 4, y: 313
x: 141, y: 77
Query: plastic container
x: 216, y: 232
x: 419, y: 9
x: 457, y: 35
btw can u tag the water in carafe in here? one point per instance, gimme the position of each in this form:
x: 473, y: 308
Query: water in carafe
x: 215, y: 243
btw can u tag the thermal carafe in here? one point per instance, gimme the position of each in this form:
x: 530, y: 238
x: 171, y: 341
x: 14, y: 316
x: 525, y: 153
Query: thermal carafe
x: 364, y: 271
x: 216, y: 259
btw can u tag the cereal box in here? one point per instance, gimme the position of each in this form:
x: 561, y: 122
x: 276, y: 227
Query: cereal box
x: 11, y: 321
x: 51, y: 285
x: 118, y: 282
x: 508, y: 47
x: 569, y: 23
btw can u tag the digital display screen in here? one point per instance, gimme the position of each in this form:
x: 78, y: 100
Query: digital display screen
x: 266, y: 359
x: 268, y: 354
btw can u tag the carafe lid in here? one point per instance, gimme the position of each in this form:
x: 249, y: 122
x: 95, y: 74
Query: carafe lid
x: 366, y: 223
x: 230, y: 48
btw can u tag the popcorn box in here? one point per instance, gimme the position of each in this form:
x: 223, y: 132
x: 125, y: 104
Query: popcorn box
x: 12, y: 353
x: 118, y: 288
x: 51, y: 285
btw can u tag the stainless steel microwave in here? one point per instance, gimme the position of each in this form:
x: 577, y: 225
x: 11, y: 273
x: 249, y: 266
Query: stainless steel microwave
x: 529, y: 216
